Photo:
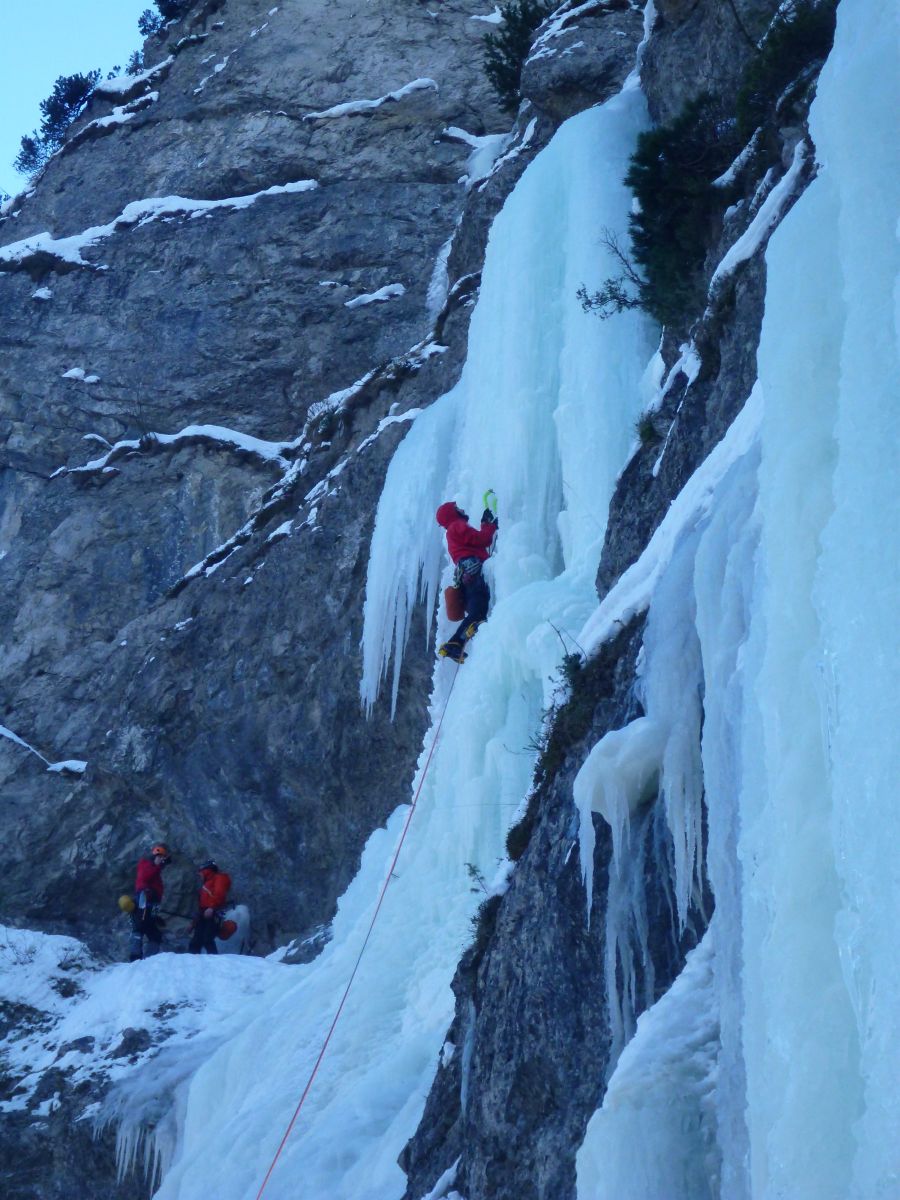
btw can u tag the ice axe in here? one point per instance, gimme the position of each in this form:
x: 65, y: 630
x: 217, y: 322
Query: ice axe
x: 489, y: 500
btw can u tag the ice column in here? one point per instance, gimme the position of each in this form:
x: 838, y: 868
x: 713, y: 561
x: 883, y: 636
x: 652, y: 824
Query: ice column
x: 821, y: 982
x: 796, y: 587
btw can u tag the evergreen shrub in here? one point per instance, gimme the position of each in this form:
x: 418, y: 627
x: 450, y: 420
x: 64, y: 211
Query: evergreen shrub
x: 505, y: 51
x: 673, y: 169
x: 671, y: 174
x: 64, y: 104
x: 150, y: 22
x: 801, y: 34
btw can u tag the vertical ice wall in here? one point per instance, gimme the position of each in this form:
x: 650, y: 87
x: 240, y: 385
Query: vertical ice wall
x: 544, y: 413
x: 545, y: 408
x: 774, y: 1060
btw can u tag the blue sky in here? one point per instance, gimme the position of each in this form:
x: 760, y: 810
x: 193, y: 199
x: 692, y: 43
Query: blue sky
x: 43, y: 39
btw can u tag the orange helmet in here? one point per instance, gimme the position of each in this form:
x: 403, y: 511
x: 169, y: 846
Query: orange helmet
x: 160, y: 848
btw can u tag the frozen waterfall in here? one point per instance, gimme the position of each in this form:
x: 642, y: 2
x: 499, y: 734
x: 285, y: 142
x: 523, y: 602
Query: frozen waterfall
x: 770, y: 1068
x: 544, y: 413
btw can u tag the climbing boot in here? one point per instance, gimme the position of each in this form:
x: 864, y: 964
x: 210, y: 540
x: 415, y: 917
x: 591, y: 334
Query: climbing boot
x: 454, y: 650
x: 472, y: 629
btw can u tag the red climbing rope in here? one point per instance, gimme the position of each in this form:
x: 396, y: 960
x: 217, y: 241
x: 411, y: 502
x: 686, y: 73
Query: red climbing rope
x: 362, y: 951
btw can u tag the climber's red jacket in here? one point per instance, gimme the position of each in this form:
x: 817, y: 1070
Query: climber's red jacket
x: 462, y: 540
x: 149, y: 879
x: 214, y: 890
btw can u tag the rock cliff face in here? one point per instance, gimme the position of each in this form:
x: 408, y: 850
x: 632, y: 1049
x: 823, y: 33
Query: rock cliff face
x: 223, y: 300
x: 220, y: 710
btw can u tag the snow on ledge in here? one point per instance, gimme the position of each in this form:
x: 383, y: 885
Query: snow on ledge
x: 727, y: 178
x: 492, y: 18
x: 123, y: 85
x: 80, y: 374
x: 69, y: 766
x: 217, y: 70
x: 120, y: 115
x: 770, y: 214
x: 217, y: 435
x: 510, y: 154
x: 68, y: 250
x: 388, y: 292
x: 558, y: 23
x: 354, y: 108
x: 485, y: 149
x: 276, y: 497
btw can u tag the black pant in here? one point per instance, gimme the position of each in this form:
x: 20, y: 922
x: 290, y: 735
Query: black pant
x: 144, y: 925
x: 204, y: 935
x: 476, y: 598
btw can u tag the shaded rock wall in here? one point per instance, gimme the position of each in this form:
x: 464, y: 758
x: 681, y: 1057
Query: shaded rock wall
x: 221, y: 715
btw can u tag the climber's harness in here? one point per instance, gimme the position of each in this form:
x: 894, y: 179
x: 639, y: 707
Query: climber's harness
x: 467, y: 570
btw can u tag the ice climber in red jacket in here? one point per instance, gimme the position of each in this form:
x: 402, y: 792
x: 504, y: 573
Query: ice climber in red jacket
x: 148, y: 894
x: 469, y: 548
x: 211, y: 901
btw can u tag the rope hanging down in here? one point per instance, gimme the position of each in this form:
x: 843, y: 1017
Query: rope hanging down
x: 362, y: 951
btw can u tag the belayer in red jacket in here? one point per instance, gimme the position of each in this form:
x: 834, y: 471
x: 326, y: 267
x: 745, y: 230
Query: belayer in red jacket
x: 212, y: 900
x: 148, y: 894
x: 469, y: 548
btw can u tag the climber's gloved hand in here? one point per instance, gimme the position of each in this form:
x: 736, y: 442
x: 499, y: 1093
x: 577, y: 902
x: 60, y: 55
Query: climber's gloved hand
x: 488, y: 516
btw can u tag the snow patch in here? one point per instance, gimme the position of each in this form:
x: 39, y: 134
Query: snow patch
x: 486, y: 150
x: 557, y: 24
x: 353, y: 108
x: 137, y: 213
x: 282, y: 531
x: 769, y: 216
x: 727, y: 178
x: 508, y: 155
x: 121, y: 85
x: 70, y: 766
x: 390, y: 291
x: 217, y: 69
x: 217, y: 435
